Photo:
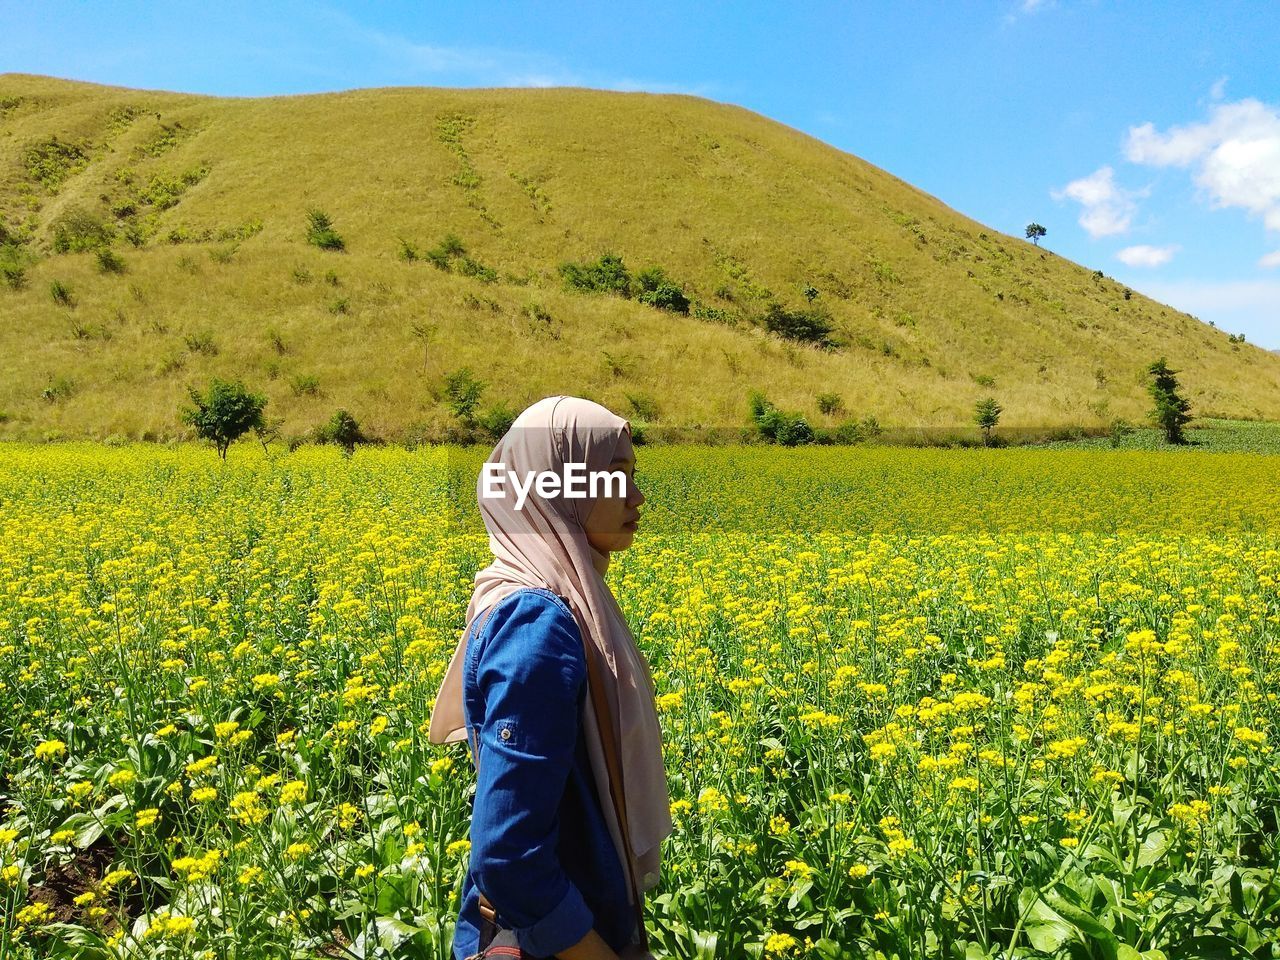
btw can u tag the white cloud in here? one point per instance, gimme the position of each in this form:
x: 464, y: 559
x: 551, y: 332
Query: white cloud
x: 1251, y: 307
x: 1147, y: 256
x: 1270, y: 260
x: 1235, y: 154
x: 1107, y: 207
x: 1219, y: 89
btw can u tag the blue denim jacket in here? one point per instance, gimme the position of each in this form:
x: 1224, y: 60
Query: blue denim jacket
x: 540, y: 848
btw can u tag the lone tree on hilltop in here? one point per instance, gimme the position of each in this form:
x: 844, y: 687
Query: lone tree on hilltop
x: 1170, y: 410
x: 986, y: 414
x: 225, y: 413
x: 1035, y: 232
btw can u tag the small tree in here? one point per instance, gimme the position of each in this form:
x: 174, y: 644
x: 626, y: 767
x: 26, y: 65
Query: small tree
x: 987, y: 415
x: 343, y: 430
x: 225, y: 413
x: 1170, y: 410
x: 777, y: 426
x: 1035, y: 232
x: 830, y: 403
x: 320, y: 231
x: 463, y: 390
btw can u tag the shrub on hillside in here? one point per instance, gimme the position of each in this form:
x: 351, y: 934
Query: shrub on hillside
x: 321, y: 233
x: 470, y: 268
x: 497, y: 420
x: 442, y: 254
x: 659, y: 290
x: 109, y: 261
x: 829, y: 403
x: 305, y: 384
x: 77, y: 229
x: 643, y: 406
x: 777, y: 426
x: 804, y: 326
x: 609, y: 274
x: 342, y: 429
x: 14, y: 274
x: 462, y: 390
x: 606, y: 275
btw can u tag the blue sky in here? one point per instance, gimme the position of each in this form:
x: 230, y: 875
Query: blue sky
x: 1144, y: 135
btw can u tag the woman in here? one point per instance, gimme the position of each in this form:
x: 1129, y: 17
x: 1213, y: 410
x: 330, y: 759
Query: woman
x: 547, y: 669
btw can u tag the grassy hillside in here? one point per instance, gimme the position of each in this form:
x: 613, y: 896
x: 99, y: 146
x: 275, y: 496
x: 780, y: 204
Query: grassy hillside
x: 203, y: 203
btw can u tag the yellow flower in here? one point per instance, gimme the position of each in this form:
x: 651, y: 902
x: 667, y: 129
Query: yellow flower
x: 458, y: 848
x: 33, y: 914
x: 884, y: 751
x: 1065, y: 749
x: 295, y: 791
x: 146, y: 818
x: 858, y: 870
x: 296, y: 851
x: 1190, y: 813
x: 779, y: 826
x: 347, y: 815
x: 711, y: 800
x: 778, y: 943
x: 247, y: 808
x: 441, y: 766
x: 225, y: 729
x: 204, y: 794
x: 203, y: 765
x: 50, y: 749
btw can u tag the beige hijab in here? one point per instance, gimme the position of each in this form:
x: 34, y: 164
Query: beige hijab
x: 545, y: 545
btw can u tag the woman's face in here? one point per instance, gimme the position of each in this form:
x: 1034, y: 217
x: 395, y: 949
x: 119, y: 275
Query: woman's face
x: 611, y: 524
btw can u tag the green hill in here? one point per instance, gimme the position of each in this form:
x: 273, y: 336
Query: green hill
x: 182, y: 225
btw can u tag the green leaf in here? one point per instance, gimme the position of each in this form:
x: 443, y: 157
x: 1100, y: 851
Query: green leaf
x: 1153, y: 848
x: 1046, y: 928
x: 70, y: 940
x: 88, y: 828
x: 1085, y: 923
x: 393, y: 933
x: 1210, y: 947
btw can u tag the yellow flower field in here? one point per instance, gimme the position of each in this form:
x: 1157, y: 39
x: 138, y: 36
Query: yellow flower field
x: 989, y: 703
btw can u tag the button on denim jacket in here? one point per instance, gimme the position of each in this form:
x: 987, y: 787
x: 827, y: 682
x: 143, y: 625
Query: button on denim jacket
x: 540, y: 849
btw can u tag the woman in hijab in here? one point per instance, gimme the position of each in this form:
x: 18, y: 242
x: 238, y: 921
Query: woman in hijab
x: 546, y: 670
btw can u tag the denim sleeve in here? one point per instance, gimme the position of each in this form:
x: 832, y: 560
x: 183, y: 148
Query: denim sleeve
x: 530, y: 674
